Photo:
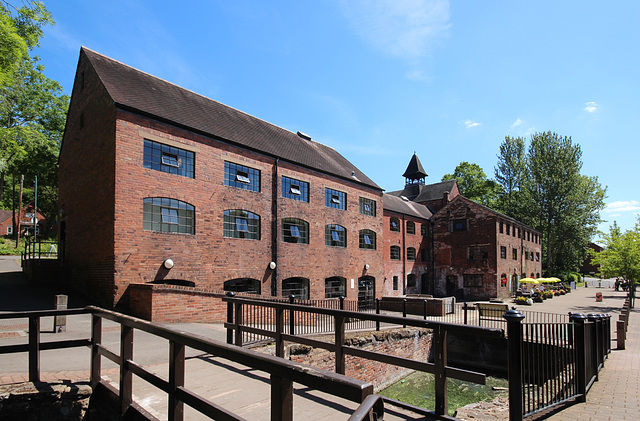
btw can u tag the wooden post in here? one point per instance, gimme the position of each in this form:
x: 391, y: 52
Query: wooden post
x: 34, y: 349
x: 514, y: 360
x: 404, y: 310
x: 281, y: 399
x: 230, y: 317
x: 96, y: 339
x: 439, y: 348
x: 620, y: 335
x: 239, y: 321
x: 19, y: 213
x: 279, y: 330
x: 292, y: 324
x: 339, y: 344
x: 176, y: 380
x: 126, y: 376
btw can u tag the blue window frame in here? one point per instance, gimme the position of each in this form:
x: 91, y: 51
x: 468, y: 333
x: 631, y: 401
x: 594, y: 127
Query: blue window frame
x: 295, y: 189
x: 239, y: 176
x: 335, y: 199
x: 169, y: 159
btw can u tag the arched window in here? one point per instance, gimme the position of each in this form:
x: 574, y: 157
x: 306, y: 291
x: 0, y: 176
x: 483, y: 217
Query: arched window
x: 241, y: 224
x: 248, y: 285
x: 367, y: 239
x: 162, y: 214
x: 395, y: 253
x: 394, y: 224
x: 299, y: 287
x: 335, y: 287
x: 411, y: 253
x: 295, y: 231
x: 411, y: 227
x: 335, y: 235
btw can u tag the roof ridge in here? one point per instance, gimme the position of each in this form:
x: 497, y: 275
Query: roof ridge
x: 197, y: 94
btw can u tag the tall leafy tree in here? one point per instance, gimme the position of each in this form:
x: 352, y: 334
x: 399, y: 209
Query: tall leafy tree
x: 552, y: 196
x: 621, y: 254
x: 474, y: 184
x: 32, y: 109
x: 510, y: 173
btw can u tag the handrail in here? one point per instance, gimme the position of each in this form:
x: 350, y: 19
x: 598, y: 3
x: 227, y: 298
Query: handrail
x: 383, y: 318
x: 283, y: 373
x: 438, y: 367
x: 371, y: 409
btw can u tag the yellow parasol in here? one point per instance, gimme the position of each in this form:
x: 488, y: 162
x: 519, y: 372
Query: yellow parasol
x: 528, y: 281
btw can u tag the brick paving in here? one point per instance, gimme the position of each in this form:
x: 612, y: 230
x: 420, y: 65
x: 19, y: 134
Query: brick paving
x: 615, y: 396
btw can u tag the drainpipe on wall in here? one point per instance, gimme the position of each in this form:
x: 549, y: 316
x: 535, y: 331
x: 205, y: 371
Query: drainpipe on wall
x: 274, y: 229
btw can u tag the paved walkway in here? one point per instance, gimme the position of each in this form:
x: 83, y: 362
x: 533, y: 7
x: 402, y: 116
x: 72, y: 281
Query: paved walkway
x: 616, y: 396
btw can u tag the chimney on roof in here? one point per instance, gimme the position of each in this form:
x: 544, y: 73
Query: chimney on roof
x: 445, y: 198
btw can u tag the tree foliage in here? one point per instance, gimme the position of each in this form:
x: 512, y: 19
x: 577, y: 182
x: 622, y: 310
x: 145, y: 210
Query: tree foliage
x: 621, y: 254
x: 32, y: 107
x: 545, y: 189
x: 474, y: 184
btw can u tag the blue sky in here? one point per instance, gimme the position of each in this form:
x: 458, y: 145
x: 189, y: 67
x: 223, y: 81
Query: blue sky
x: 381, y: 79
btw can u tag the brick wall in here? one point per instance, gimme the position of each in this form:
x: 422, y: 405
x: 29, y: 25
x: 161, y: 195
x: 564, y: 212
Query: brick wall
x: 452, y: 252
x: 404, y: 267
x: 413, y: 344
x: 103, y: 183
x: 86, y: 187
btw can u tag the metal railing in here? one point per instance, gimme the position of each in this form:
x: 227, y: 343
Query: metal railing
x: 277, y: 331
x: 551, y: 364
x: 40, y: 250
x: 283, y: 373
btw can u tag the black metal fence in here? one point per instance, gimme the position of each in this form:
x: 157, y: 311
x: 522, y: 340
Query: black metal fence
x: 488, y: 315
x: 280, y: 330
x: 40, y: 250
x: 551, y: 364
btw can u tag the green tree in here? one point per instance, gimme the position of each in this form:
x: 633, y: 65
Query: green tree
x: 621, y: 254
x: 511, y: 173
x: 32, y: 110
x: 474, y: 184
x: 557, y: 200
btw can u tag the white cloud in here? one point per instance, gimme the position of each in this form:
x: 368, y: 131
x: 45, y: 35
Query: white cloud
x: 591, y: 107
x: 406, y: 29
x: 517, y: 123
x: 469, y: 124
x: 623, y: 206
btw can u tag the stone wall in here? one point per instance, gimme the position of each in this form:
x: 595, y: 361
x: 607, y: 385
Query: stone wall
x: 44, y: 401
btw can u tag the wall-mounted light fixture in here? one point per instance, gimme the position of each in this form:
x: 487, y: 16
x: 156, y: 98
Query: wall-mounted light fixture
x: 366, y: 266
x: 272, y: 265
x: 168, y: 263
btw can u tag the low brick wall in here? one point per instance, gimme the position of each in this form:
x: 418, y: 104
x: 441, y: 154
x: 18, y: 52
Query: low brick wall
x: 413, y: 343
x: 176, y: 304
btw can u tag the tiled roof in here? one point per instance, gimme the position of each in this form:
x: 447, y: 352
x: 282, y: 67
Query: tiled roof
x: 136, y: 91
x: 5, y: 214
x: 405, y: 207
x: 425, y: 193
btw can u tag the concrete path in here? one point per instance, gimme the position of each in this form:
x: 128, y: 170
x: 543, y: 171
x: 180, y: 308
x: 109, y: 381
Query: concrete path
x: 615, y: 396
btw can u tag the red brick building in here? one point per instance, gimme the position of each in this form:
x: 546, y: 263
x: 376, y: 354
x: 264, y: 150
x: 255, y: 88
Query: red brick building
x: 159, y: 185
x: 478, y: 253
x: 407, y: 257
x: 28, y: 225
